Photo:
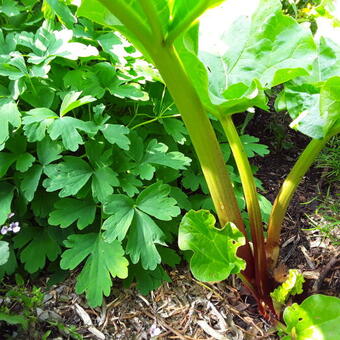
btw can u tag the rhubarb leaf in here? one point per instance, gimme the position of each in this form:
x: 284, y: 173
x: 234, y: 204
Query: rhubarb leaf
x: 317, y: 317
x: 214, y: 257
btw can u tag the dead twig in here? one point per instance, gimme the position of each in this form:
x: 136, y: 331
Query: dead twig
x: 318, y: 283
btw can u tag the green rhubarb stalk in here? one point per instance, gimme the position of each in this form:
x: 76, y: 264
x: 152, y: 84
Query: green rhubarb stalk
x: 192, y: 112
x: 253, y: 208
x: 195, y: 118
x: 285, y: 195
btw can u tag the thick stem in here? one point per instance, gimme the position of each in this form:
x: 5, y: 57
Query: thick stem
x: 153, y: 19
x: 285, y: 195
x: 197, y: 122
x: 253, y: 208
x: 130, y: 20
x: 202, y: 136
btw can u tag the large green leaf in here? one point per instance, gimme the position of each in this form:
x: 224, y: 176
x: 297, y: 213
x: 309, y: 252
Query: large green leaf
x: 214, y: 257
x: 103, y: 260
x: 270, y: 49
x: 315, y: 110
x: 330, y: 104
x: 316, y: 318
x: 185, y: 12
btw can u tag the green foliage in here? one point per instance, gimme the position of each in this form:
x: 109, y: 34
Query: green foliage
x: 214, y: 257
x: 93, y: 158
x: 292, y: 286
x: 317, y: 317
x: 103, y: 260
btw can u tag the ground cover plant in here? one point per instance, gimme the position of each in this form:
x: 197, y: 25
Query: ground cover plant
x: 111, y: 187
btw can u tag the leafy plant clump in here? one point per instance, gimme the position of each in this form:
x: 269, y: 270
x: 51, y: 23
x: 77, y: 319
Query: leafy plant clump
x: 103, y: 186
x: 95, y: 162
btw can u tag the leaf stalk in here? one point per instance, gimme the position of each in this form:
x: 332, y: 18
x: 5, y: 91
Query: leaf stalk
x: 253, y: 207
x: 285, y: 195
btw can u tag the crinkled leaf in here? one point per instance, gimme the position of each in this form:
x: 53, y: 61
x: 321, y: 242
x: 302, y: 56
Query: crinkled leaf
x: 315, y: 110
x: 317, y: 317
x: 69, y: 210
x: 37, y: 245
x: 292, y: 286
x: 214, y: 257
x: 330, y: 104
x: 270, y: 49
x: 327, y: 63
x: 103, y: 260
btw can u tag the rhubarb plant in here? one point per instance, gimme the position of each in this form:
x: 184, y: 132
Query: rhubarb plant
x: 218, y: 58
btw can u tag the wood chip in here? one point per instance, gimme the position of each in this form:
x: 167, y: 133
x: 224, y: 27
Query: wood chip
x: 83, y: 315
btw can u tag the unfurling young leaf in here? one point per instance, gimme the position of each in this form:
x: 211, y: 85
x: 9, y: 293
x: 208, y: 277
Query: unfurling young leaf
x: 214, y: 257
x: 292, y: 286
x: 103, y: 261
